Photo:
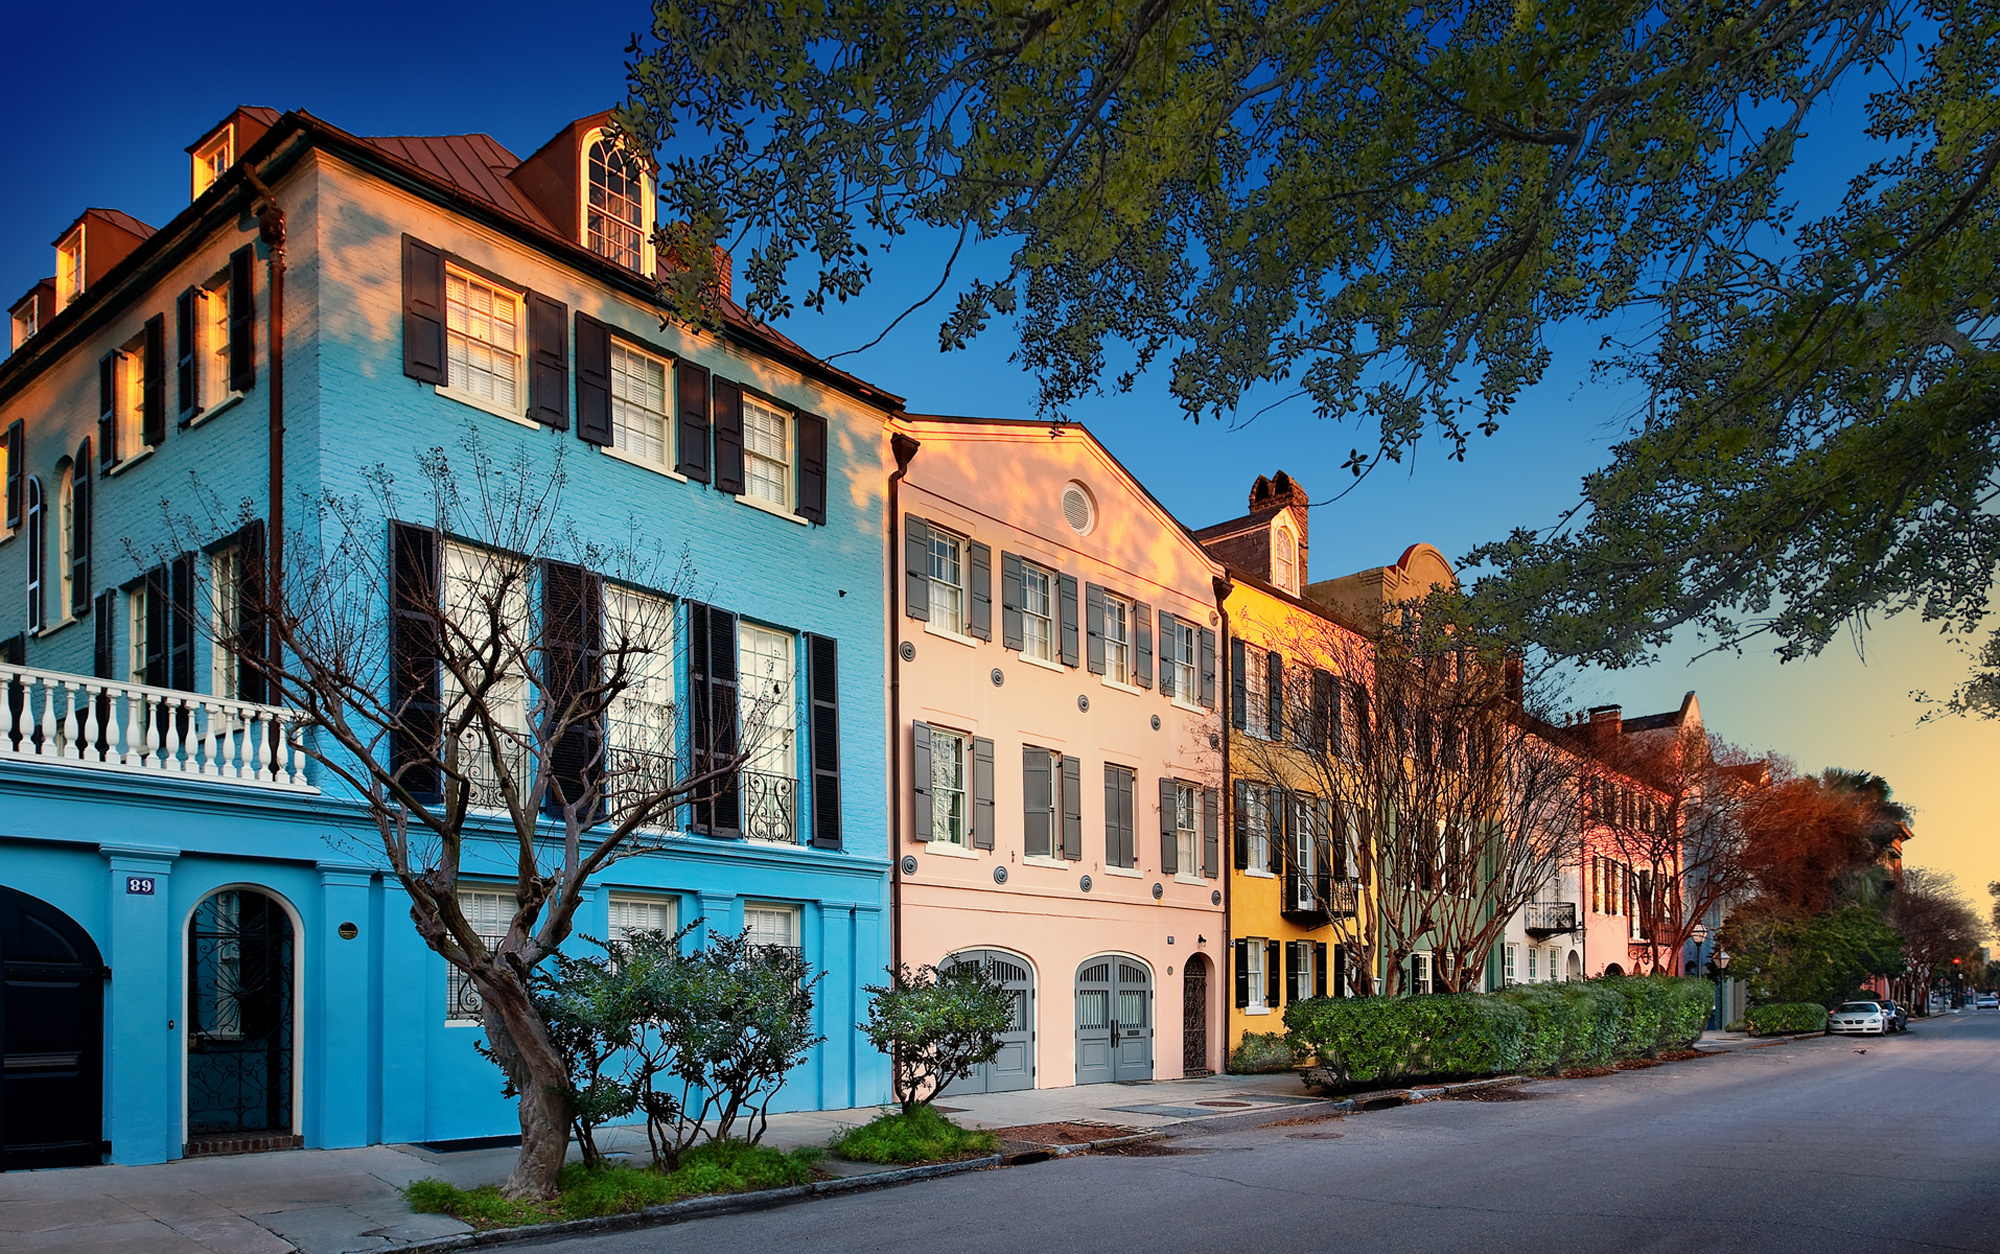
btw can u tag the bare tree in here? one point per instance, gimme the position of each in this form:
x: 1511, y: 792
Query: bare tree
x: 498, y: 690
x: 1448, y: 804
x: 1937, y: 924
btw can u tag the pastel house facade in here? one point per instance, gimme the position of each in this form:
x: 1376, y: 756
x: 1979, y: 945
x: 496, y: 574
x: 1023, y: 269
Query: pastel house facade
x: 1057, y: 764
x: 222, y: 962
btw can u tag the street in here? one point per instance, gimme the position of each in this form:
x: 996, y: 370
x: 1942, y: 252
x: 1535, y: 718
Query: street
x: 1809, y: 1146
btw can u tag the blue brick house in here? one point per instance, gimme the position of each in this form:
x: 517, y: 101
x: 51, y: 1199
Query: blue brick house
x: 201, y: 950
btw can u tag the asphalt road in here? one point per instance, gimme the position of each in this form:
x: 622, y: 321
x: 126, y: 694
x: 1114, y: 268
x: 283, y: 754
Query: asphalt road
x: 1811, y: 1146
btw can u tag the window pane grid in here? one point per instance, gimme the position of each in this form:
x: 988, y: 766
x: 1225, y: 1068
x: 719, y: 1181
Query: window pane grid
x: 948, y: 580
x: 948, y: 786
x: 616, y: 214
x: 482, y: 325
x: 639, y: 421
x: 1037, y: 616
x: 1117, y: 642
x: 766, y: 453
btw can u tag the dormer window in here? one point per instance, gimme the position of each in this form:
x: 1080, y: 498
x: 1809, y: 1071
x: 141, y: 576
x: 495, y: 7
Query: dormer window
x: 27, y: 319
x: 69, y: 267
x: 1284, y: 561
x: 617, y: 211
x: 213, y: 158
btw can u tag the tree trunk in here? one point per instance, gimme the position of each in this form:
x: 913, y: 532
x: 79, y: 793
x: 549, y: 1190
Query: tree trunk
x: 521, y: 1045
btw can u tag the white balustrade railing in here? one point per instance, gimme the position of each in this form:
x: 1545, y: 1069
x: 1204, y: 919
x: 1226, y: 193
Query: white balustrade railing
x: 77, y: 721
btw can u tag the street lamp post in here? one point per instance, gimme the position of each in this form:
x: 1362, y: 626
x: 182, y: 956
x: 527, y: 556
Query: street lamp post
x: 1718, y: 970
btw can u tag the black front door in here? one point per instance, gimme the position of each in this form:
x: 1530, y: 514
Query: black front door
x: 52, y: 1026
x: 239, y: 1015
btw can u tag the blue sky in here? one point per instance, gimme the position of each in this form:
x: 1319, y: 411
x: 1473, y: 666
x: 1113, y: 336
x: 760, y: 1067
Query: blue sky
x: 103, y: 121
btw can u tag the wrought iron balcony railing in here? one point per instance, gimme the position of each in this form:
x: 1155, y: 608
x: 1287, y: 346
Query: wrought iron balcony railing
x: 1548, y: 918
x: 770, y: 807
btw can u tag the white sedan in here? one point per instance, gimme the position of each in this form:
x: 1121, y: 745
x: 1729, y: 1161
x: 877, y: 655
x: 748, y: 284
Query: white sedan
x: 1864, y: 1017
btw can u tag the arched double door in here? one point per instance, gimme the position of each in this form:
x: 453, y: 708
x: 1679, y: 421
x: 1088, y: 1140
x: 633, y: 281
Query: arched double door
x: 1014, y: 1066
x: 1114, y: 1020
x: 52, y: 1036
x: 241, y: 1016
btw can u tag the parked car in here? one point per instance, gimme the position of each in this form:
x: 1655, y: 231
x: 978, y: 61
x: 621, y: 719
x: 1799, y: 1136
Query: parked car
x: 1989, y: 1001
x: 1859, y: 1017
x: 1899, y: 1018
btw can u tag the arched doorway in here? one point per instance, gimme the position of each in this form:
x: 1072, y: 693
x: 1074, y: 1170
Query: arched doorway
x: 1194, y: 1016
x: 1613, y: 969
x: 1114, y: 1020
x: 1573, y: 969
x: 1014, y: 1066
x: 240, y: 1018
x: 52, y: 1025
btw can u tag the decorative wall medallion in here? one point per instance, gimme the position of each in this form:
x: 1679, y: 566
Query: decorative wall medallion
x: 1082, y: 702
x: 999, y: 677
x: 1084, y: 883
x: 348, y: 931
x: 1156, y: 722
x: 1158, y: 892
x: 1215, y: 897
x: 1214, y: 741
x: 1214, y: 619
x: 999, y: 875
x: 909, y: 864
x: 909, y: 651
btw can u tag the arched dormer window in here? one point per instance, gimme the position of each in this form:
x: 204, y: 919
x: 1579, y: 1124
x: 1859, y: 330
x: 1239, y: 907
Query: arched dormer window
x: 1284, y: 560
x: 617, y: 203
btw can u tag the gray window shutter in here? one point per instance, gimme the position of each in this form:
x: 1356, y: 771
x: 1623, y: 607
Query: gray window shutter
x: 423, y: 313
x: 1242, y: 824
x: 812, y: 468
x: 981, y: 572
x: 726, y: 409
x: 548, y: 361
x: 1066, y: 594
x: 1207, y: 650
x: 1242, y: 948
x: 1114, y: 846
x: 1273, y: 975
x: 1167, y: 647
x: 822, y: 661
x: 691, y: 420
x: 243, y: 320
x: 1038, y: 802
x: 916, y: 567
x: 1093, y: 628
x: 1011, y: 596
x: 1142, y: 645
x: 1128, y: 815
x: 1072, y: 808
x: 1211, y: 844
x: 1274, y: 693
x: 593, y: 380
x: 920, y: 781
x: 1170, y: 799
x: 982, y: 793
x: 185, y: 377
x: 1239, y: 685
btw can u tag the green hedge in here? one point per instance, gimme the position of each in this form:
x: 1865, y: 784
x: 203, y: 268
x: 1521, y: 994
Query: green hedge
x: 1534, y: 1028
x: 1781, y: 1017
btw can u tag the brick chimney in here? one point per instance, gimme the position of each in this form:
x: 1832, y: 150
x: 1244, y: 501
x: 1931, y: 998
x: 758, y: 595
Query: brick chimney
x: 1606, y: 721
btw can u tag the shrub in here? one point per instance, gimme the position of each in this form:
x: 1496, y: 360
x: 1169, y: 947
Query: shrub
x: 1781, y: 1017
x: 916, y: 1136
x: 1544, y: 1042
x: 1262, y: 1052
x: 936, y: 1026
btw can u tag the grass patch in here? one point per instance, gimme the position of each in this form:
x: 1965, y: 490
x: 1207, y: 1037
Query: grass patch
x: 584, y: 1192
x: 922, y: 1137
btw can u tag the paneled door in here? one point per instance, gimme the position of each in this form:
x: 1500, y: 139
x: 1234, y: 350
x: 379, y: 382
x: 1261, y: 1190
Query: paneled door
x: 1014, y: 1066
x: 52, y: 1038
x: 1114, y: 1021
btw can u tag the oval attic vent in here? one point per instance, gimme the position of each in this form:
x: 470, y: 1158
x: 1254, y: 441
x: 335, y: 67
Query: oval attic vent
x: 1077, y: 508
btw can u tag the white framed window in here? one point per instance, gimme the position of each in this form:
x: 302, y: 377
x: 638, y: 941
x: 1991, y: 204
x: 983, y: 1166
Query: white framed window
x: 1257, y: 693
x: 1303, y: 979
x: 641, y: 425
x: 65, y: 538
x: 632, y: 913
x: 1284, y: 561
x: 489, y: 914
x: 27, y: 319
x: 951, y: 771
x: 212, y: 314
x: 1420, y: 973
x: 617, y: 209
x: 225, y: 573
x: 1038, y: 613
x: 1305, y: 854
x: 1187, y: 834
x: 1117, y: 639
x: 213, y: 158
x: 948, y: 595
x: 768, y: 718
x: 477, y: 583
x: 482, y: 341
x: 1257, y: 950
x: 1534, y: 963
x: 640, y: 725
x: 767, y: 453
x: 135, y: 634
x: 69, y: 267
x: 1177, y: 652
x: 1555, y: 963
x: 771, y: 924
x: 128, y: 394
x: 1507, y: 966
x: 1257, y: 824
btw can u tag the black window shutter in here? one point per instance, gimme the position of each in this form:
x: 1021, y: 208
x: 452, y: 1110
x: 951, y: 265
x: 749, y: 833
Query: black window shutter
x: 1170, y: 804
x: 104, y: 663
x: 1072, y: 808
x: 1168, y: 645
x: 920, y: 781
x: 1274, y: 693
x: 593, y: 380
x: 548, y: 361
x: 180, y: 628
x: 1364, y: 735
x: 423, y: 313
x: 1278, y: 830
x: 982, y: 793
x: 1093, y: 628
x: 16, y: 474
x: 79, y: 540
x: 1325, y: 702
x: 1211, y: 844
x: 812, y: 468
x: 107, y: 410
x: 1242, y: 824
x: 1206, y: 648
x: 823, y: 678
x: 1038, y: 802
x: 726, y: 405
x: 243, y: 320
x: 156, y: 627
x: 1292, y: 966
x: 414, y: 683
x: 1011, y: 595
x: 572, y: 648
x: 1239, y: 685
x: 1242, y: 948
x: 712, y: 691
x: 1142, y: 647
x: 186, y: 381
x: 1273, y: 977
x: 14, y: 652
x: 691, y: 424
x: 916, y: 567
x: 1066, y: 593
x: 1323, y: 856
x: 980, y: 570
x: 253, y: 641
x: 153, y: 390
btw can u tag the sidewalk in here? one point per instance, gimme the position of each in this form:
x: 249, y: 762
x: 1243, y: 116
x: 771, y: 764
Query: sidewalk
x: 347, y: 1201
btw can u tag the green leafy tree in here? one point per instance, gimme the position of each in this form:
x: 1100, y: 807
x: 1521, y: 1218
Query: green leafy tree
x: 937, y: 1026
x: 1786, y: 955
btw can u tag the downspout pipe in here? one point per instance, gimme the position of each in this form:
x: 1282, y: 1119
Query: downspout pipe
x: 271, y: 229
x: 905, y: 449
x: 1226, y: 961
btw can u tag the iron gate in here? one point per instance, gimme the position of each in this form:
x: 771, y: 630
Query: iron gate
x: 239, y: 1015
x: 1194, y: 1016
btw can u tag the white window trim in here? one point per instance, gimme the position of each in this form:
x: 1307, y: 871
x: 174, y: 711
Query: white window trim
x: 1057, y: 667
x: 671, y: 900
x: 224, y: 141
x: 124, y: 464
x: 940, y: 841
x: 648, y: 207
x: 520, y: 298
x: 1119, y: 685
x: 758, y: 502
x: 963, y: 587
x: 1054, y: 619
x: 785, y: 508
x: 1189, y: 877
x: 670, y: 444
x: 1260, y: 975
x: 452, y: 973
x: 75, y: 243
x: 786, y: 907
x: 942, y: 633
x: 216, y: 288
x: 619, y: 454
x: 228, y: 402
x: 1054, y: 864
x: 1125, y: 872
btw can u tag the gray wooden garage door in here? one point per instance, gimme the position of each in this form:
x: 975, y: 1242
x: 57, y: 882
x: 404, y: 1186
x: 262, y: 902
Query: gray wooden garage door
x: 1114, y: 1021
x: 1014, y: 1066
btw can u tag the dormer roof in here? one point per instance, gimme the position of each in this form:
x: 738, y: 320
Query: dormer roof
x: 476, y: 164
